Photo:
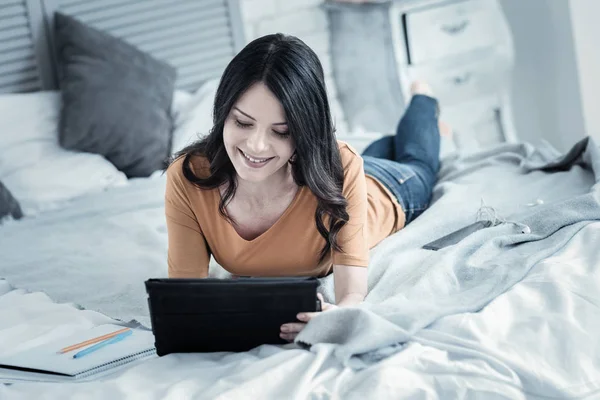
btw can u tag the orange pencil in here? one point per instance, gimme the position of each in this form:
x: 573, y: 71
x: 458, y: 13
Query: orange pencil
x: 91, y: 341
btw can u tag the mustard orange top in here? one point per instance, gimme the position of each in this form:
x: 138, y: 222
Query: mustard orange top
x: 291, y: 247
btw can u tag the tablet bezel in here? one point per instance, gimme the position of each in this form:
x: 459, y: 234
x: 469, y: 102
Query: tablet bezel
x: 243, y: 312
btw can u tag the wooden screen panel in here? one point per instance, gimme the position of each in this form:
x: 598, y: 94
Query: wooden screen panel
x: 19, y: 70
x: 198, y: 37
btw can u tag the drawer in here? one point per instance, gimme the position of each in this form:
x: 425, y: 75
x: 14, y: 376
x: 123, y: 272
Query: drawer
x: 487, y: 129
x: 484, y: 133
x: 452, y: 29
x: 476, y: 124
x: 454, y: 84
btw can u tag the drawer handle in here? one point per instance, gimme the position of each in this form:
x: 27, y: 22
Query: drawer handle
x: 462, y: 80
x: 456, y: 28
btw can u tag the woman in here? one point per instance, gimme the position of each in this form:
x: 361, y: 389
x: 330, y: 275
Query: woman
x: 271, y: 192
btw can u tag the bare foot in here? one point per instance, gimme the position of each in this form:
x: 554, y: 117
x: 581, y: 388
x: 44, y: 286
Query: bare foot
x: 445, y: 129
x: 422, y: 87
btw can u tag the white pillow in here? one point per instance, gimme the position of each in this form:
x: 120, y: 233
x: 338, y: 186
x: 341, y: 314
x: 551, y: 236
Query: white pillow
x: 180, y: 99
x: 39, y: 173
x: 193, y: 116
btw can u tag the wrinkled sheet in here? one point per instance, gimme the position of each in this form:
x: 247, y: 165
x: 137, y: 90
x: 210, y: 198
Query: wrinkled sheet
x: 534, y: 337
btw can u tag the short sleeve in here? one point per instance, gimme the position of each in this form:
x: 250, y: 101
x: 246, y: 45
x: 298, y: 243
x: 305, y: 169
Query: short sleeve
x: 352, y: 238
x: 188, y: 254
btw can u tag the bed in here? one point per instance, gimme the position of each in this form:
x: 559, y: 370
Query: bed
x: 510, y: 312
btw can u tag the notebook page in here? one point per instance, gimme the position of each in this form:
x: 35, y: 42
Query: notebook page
x: 15, y: 376
x: 44, y: 358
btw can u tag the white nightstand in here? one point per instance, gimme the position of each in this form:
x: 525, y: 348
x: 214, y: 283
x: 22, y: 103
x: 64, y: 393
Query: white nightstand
x: 464, y: 49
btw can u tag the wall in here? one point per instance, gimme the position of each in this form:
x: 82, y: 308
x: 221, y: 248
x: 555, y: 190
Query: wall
x: 545, y: 89
x: 302, y: 18
x: 586, y: 31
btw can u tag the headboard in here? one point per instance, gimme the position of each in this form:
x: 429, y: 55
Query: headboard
x: 198, y: 37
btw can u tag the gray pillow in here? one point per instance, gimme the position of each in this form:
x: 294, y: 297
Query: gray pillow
x: 9, y: 206
x: 115, y: 98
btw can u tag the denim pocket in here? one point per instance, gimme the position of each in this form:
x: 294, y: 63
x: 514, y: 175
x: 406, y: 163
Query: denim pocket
x: 403, y: 181
x: 403, y: 173
x: 390, y: 173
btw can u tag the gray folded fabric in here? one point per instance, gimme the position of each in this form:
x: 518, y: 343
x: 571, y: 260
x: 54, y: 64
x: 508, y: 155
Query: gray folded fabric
x: 9, y: 206
x: 565, y: 162
x: 410, y: 287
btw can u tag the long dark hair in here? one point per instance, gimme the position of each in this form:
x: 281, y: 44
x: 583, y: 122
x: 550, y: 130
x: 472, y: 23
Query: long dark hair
x: 293, y: 73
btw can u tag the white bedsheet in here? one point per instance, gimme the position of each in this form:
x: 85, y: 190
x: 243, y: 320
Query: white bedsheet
x: 543, y: 330
x: 539, y: 335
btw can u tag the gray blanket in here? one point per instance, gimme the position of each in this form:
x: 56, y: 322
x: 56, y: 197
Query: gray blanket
x: 545, y: 200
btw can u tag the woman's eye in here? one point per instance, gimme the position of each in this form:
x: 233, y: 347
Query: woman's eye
x: 282, y: 134
x: 246, y: 126
x: 242, y: 125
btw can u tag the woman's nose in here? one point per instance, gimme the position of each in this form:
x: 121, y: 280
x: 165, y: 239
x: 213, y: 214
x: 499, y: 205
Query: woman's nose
x: 257, y: 142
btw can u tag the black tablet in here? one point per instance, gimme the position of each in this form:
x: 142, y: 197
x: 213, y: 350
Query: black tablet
x: 209, y: 315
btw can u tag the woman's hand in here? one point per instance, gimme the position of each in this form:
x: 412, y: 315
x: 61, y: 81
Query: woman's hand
x: 291, y: 330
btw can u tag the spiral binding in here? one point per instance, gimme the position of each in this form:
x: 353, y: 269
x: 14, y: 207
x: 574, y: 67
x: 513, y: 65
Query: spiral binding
x: 115, y: 363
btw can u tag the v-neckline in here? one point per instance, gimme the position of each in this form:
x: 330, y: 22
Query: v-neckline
x: 265, y: 233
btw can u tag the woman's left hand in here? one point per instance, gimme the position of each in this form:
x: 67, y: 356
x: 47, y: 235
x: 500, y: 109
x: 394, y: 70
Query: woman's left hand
x: 290, y: 330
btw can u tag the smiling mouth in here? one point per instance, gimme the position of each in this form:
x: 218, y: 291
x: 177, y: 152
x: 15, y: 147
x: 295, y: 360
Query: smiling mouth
x: 255, y: 160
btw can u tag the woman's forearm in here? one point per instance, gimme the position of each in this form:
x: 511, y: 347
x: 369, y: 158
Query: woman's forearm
x: 350, y: 284
x: 351, y: 299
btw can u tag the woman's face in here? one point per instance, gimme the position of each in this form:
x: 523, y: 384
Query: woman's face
x: 256, y: 135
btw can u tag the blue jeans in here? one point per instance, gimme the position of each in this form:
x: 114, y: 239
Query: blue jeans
x: 407, y: 163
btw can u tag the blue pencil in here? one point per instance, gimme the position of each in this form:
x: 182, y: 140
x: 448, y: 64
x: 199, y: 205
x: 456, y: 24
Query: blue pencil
x: 97, y: 346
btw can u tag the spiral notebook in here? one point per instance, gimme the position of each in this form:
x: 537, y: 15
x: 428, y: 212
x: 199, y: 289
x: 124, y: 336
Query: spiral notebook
x: 44, y: 363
